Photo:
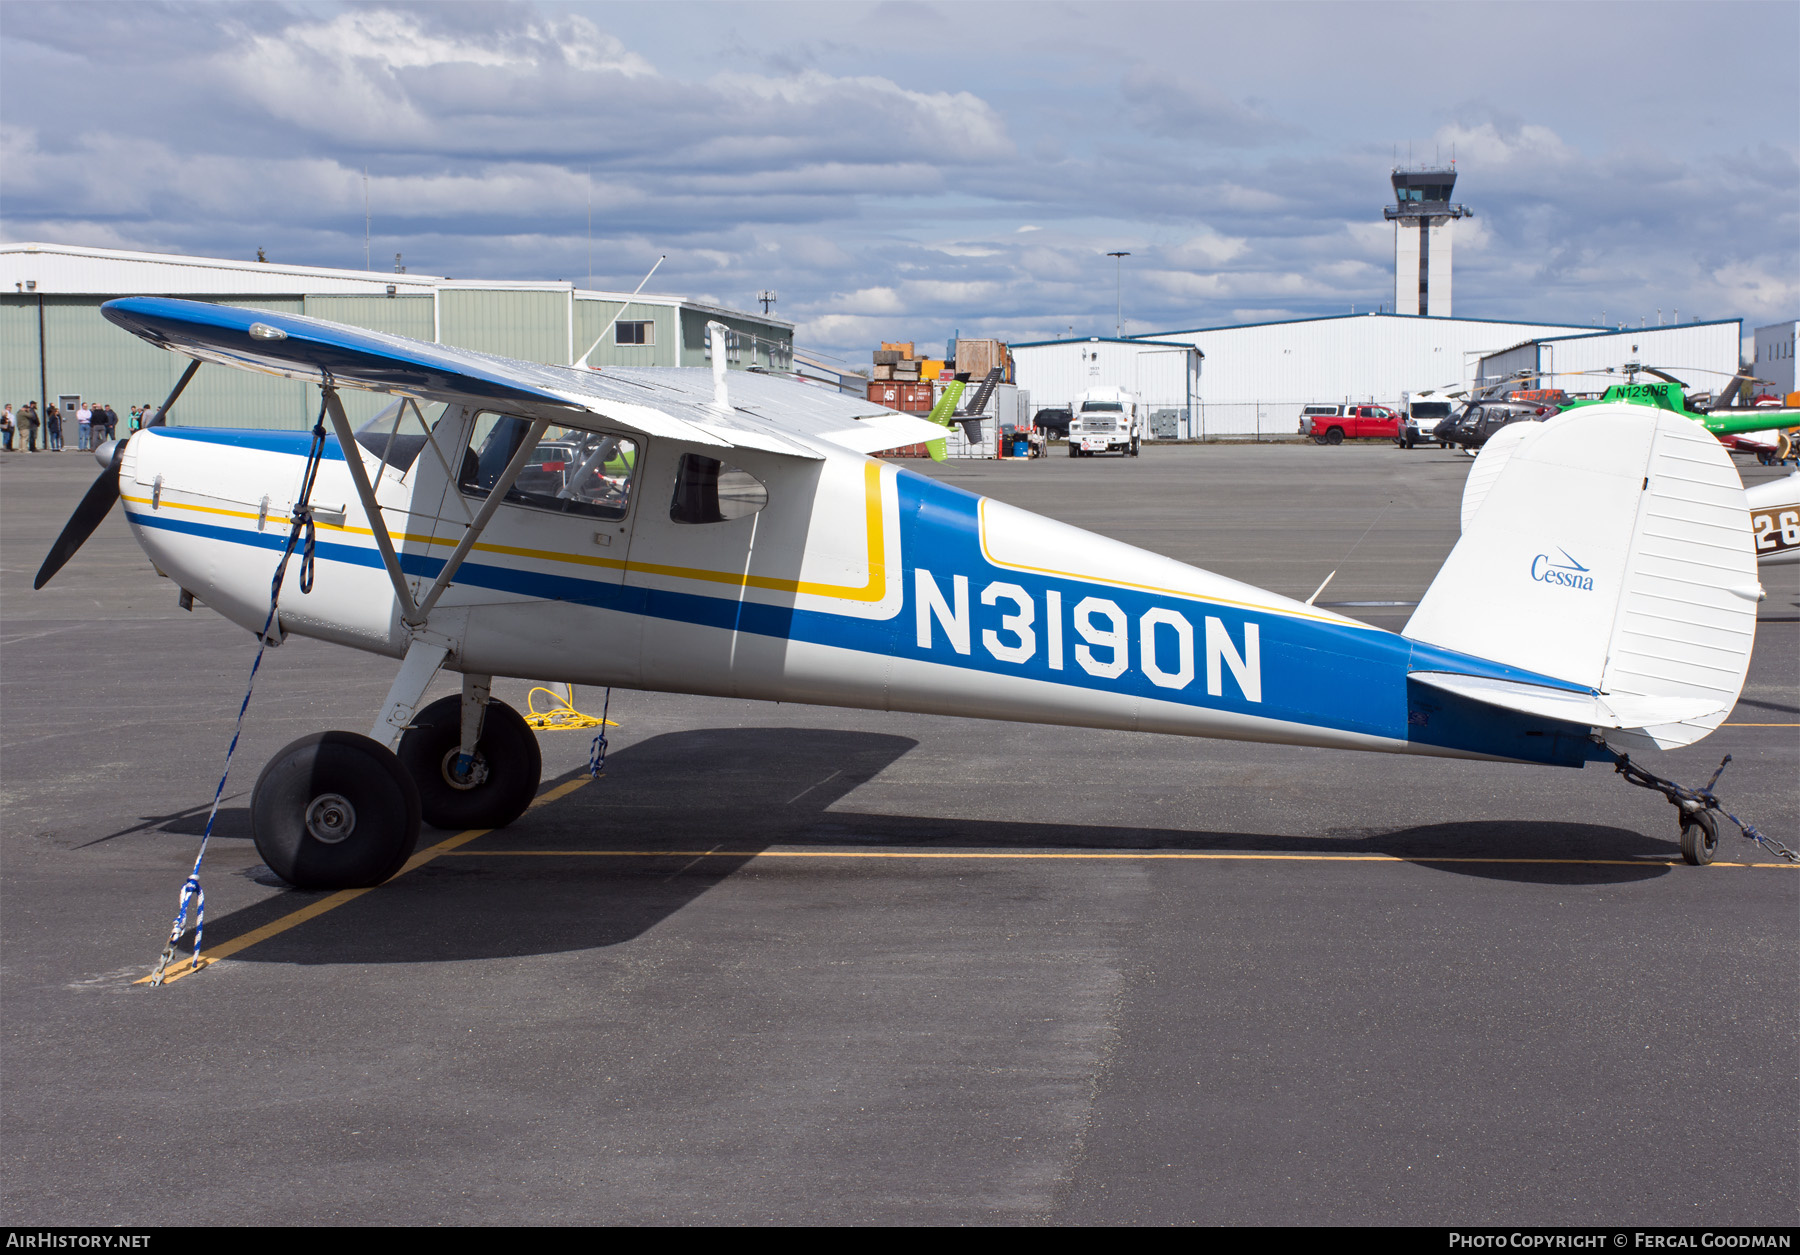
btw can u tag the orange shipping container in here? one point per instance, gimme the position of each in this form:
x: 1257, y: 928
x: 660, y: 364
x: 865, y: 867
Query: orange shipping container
x: 914, y: 398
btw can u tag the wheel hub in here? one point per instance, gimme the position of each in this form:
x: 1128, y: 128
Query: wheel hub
x: 330, y: 818
x: 473, y: 774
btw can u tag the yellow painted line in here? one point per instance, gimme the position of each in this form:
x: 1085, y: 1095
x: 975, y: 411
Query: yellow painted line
x: 312, y: 910
x: 1089, y: 857
x: 873, y: 589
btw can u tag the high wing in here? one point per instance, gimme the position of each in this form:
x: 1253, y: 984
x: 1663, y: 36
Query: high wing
x: 767, y: 413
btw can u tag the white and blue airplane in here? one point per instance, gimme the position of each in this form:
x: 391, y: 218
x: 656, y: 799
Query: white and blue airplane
x: 678, y: 530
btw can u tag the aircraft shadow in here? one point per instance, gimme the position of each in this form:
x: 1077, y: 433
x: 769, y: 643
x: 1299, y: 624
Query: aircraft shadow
x: 747, y: 789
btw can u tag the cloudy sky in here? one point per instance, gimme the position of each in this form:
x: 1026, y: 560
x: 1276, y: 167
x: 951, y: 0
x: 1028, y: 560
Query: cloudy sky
x: 903, y: 170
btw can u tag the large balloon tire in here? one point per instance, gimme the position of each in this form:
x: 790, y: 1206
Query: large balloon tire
x: 508, y: 761
x: 334, y: 810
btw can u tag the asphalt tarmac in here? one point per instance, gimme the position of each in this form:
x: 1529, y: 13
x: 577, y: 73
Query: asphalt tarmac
x: 804, y: 965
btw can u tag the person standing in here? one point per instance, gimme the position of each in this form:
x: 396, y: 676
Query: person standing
x: 29, y: 418
x: 52, y: 429
x: 84, y: 426
x: 112, y: 421
x: 7, y: 424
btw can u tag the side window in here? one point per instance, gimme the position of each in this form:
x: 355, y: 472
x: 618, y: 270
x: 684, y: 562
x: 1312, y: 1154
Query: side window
x: 708, y: 491
x: 570, y: 471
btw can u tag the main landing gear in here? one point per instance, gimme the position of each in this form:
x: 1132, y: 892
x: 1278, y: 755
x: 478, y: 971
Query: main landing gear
x: 486, y: 789
x: 336, y: 810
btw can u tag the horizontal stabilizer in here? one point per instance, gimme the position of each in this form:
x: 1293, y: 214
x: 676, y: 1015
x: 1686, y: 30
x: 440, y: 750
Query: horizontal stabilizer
x: 1605, y: 710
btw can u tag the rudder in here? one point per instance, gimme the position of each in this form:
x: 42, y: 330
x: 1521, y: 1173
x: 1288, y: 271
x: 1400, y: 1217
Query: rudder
x: 1611, y: 550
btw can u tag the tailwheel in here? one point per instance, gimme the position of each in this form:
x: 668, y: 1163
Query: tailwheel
x: 489, y: 789
x: 334, y: 810
x: 1699, y: 837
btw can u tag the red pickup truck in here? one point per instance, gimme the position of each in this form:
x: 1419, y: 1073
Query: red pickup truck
x: 1333, y: 424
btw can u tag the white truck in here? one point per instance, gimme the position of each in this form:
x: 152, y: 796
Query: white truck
x: 1424, y: 411
x: 1106, y: 420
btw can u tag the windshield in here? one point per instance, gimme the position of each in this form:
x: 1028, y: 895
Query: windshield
x: 1113, y: 407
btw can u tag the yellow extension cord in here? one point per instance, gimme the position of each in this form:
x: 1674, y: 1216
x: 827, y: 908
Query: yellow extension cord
x: 562, y: 717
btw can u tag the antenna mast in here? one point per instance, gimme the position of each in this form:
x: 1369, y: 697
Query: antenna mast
x: 582, y: 361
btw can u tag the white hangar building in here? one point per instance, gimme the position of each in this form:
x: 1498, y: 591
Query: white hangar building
x: 1259, y: 375
x: 1052, y: 373
x: 1703, y: 355
x: 1775, y: 355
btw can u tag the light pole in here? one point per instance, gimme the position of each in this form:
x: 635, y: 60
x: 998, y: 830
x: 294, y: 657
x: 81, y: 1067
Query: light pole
x: 1119, y: 275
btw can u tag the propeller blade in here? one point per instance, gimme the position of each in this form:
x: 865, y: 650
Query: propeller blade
x: 99, y: 501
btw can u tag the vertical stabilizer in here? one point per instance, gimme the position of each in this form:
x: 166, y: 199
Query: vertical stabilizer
x: 1612, y: 549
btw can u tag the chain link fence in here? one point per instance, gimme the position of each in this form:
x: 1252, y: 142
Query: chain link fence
x: 1179, y: 419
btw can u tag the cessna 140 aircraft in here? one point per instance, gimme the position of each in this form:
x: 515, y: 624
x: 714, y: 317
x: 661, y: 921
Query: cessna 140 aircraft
x: 666, y: 530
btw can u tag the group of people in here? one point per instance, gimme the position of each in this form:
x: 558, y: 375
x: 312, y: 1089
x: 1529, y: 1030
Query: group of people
x: 93, y: 426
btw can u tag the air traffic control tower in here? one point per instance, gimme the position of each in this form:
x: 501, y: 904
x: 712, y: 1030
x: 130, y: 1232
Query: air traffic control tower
x: 1422, y: 215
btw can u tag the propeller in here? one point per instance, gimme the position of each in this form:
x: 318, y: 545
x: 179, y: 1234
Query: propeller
x: 99, y: 501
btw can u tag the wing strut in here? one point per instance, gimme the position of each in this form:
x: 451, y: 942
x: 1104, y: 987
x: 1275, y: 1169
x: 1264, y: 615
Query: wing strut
x: 496, y: 495
x: 359, y: 475
x: 415, y: 613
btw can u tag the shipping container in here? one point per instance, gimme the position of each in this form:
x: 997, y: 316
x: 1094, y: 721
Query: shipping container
x: 913, y: 398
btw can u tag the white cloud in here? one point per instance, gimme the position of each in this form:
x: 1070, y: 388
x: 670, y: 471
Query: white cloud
x: 1208, y: 248
x: 896, y: 190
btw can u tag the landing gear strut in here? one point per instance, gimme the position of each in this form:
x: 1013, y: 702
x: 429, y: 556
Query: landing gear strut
x: 487, y: 786
x: 334, y: 810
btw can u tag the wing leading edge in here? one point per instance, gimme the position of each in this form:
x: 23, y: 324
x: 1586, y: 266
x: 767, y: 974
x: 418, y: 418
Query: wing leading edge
x: 770, y: 414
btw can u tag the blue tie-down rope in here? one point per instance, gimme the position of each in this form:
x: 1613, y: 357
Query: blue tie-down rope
x: 191, y: 892
x: 597, y: 751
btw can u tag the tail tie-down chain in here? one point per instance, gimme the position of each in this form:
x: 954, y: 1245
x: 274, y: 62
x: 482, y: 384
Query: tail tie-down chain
x: 1691, y: 801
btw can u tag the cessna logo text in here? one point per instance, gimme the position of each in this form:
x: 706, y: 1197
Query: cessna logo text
x: 1568, y: 573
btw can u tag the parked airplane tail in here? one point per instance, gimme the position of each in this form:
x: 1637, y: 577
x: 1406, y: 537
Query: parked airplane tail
x: 1608, y: 547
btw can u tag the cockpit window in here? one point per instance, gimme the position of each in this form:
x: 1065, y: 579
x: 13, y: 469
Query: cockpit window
x: 709, y: 491
x: 570, y: 471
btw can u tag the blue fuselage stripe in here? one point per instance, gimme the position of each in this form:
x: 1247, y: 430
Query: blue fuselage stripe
x: 1309, y: 672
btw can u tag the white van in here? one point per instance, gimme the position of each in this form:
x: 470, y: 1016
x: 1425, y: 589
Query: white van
x: 1106, y: 420
x: 1424, y: 411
